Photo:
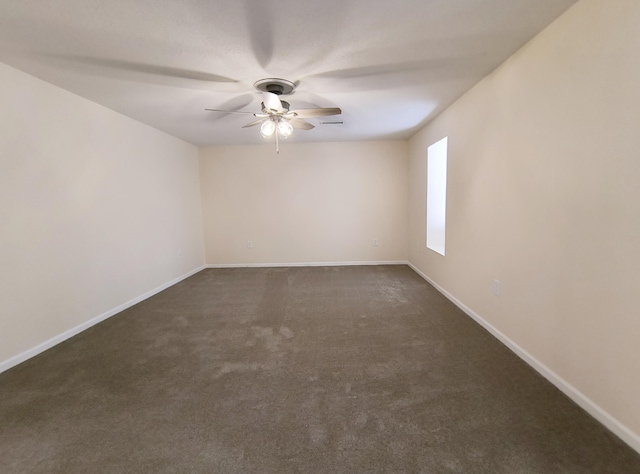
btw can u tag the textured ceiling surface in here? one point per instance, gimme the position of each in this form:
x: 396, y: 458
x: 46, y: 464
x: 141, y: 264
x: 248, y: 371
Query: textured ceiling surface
x: 390, y: 65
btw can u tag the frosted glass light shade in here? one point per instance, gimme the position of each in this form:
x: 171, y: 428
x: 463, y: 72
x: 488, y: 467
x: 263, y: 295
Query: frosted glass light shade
x: 267, y: 128
x: 284, y: 129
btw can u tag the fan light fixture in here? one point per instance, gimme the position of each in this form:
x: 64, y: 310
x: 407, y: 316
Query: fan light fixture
x: 275, y: 116
x: 282, y: 126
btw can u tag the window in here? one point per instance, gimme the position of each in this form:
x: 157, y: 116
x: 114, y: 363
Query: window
x: 437, y: 195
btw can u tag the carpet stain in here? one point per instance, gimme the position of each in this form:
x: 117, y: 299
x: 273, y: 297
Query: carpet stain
x: 393, y: 295
x: 317, y: 435
x: 361, y: 420
x: 238, y: 367
x: 270, y: 339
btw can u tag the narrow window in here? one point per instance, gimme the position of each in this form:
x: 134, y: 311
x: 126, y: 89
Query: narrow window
x: 436, y: 195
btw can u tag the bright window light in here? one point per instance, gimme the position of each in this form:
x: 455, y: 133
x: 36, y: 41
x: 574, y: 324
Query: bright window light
x: 437, y: 195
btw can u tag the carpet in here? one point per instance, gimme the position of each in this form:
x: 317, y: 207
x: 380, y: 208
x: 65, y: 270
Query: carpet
x: 355, y: 369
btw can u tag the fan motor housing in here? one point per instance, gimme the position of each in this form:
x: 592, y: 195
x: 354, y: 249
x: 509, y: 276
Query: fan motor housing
x: 275, y: 86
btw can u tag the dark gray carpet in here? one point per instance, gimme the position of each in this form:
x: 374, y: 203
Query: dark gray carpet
x: 325, y: 369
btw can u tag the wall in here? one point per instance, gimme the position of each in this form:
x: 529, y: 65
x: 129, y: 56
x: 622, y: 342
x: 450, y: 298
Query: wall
x: 311, y: 203
x: 544, y: 196
x: 95, y: 210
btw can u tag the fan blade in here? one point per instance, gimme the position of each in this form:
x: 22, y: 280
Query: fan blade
x: 310, y: 113
x: 234, y: 112
x: 262, y: 24
x: 145, y: 73
x: 301, y: 123
x: 272, y: 102
x: 153, y: 69
x: 255, y: 122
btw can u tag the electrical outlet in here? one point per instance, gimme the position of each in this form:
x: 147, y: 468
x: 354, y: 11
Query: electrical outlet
x: 497, y: 287
x: 375, y: 242
x: 249, y: 244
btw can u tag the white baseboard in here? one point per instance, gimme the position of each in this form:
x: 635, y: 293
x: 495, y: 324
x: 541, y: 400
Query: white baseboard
x: 612, y: 423
x: 28, y: 354
x: 305, y: 264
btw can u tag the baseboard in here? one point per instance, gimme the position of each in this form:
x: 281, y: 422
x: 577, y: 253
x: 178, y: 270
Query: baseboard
x: 28, y: 354
x: 610, y: 422
x: 305, y: 264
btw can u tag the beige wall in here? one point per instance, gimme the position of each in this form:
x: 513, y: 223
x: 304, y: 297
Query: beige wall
x: 311, y: 203
x: 544, y: 195
x: 95, y: 210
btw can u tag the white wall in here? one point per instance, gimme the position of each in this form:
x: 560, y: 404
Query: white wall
x: 95, y: 210
x: 544, y: 195
x: 320, y: 202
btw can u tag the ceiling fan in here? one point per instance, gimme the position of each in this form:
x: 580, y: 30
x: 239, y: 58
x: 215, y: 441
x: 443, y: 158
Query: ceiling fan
x: 276, y: 118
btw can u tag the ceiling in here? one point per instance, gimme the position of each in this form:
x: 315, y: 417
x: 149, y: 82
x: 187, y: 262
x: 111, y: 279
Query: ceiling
x: 390, y: 65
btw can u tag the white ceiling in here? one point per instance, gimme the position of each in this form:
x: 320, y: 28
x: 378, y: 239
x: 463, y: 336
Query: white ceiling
x: 390, y: 65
